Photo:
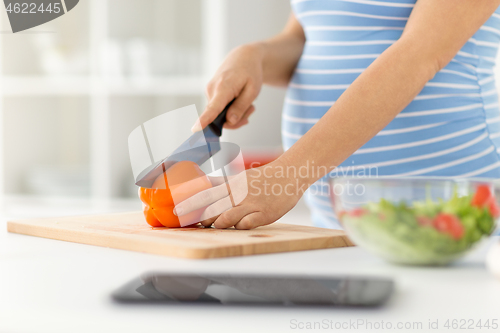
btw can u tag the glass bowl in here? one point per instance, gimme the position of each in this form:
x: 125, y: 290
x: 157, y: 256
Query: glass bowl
x: 416, y: 221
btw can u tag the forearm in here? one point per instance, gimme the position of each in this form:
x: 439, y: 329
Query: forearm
x: 366, y: 107
x: 281, y: 53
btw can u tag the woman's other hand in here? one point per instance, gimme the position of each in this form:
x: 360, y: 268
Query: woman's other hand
x: 260, y: 196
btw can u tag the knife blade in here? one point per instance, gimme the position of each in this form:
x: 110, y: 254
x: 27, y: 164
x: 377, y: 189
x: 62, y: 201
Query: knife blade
x: 198, y: 148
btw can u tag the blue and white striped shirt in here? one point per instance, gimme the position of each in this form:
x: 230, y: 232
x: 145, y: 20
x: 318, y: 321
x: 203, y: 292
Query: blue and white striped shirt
x: 452, y: 128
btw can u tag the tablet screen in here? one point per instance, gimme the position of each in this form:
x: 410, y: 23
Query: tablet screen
x: 256, y: 289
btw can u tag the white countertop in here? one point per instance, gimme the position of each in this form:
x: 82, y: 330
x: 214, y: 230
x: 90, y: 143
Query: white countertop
x: 54, y: 286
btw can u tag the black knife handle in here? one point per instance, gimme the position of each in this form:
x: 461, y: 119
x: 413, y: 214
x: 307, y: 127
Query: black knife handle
x: 218, y: 123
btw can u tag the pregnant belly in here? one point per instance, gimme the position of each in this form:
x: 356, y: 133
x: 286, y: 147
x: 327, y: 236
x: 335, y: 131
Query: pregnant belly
x: 410, y: 146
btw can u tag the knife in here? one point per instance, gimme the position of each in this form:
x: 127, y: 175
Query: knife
x: 198, y: 148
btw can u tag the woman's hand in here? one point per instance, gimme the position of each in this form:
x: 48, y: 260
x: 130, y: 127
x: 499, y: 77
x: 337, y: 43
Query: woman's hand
x: 245, y: 69
x: 261, y: 196
x: 239, y: 77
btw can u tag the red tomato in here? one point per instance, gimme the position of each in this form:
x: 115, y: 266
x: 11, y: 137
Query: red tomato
x: 482, y: 196
x: 485, y: 198
x: 449, y: 224
x: 494, y: 209
x: 179, y: 182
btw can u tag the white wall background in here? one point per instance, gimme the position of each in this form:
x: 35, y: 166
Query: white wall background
x: 249, y: 21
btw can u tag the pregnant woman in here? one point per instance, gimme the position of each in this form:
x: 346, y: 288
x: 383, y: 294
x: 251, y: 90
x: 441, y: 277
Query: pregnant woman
x: 389, y: 87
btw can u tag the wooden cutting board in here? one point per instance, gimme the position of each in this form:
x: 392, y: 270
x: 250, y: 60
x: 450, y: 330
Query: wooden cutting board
x: 129, y: 231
